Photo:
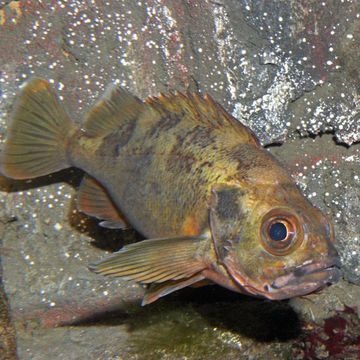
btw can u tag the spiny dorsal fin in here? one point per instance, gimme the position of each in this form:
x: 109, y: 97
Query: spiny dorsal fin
x: 114, y: 108
x: 94, y: 200
x: 155, y: 260
x: 204, y: 110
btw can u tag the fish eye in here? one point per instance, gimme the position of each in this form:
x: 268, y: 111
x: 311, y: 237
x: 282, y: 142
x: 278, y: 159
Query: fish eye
x: 281, y: 232
x: 278, y: 231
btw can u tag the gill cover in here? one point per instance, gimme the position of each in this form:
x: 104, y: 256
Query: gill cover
x: 226, y: 217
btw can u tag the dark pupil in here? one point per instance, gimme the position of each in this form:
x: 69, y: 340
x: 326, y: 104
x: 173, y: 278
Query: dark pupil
x: 278, y: 231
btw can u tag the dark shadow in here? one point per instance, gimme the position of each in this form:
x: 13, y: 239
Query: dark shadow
x: 106, y: 239
x: 331, y: 133
x: 103, y: 238
x: 273, y: 144
x: 71, y: 176
x: 108, y: 317
x: 260, y: 320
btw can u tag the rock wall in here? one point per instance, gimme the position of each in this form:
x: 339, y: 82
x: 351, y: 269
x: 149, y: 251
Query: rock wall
x: 287, y: 69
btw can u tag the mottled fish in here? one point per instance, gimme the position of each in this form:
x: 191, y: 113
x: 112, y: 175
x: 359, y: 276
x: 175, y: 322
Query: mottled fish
x: 214, y: 204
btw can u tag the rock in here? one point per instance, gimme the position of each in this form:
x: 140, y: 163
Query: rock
x: 289, y: 70
x: 328, y: 302
x: 7, y: 331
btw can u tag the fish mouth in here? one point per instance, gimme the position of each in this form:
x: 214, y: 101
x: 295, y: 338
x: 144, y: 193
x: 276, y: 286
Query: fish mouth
x: 305, y: 279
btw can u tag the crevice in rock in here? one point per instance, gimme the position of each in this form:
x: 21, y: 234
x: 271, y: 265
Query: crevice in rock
x: 66, y: 48
x: 332, y: 132
x: 297, y: 135
x: 274, y: 144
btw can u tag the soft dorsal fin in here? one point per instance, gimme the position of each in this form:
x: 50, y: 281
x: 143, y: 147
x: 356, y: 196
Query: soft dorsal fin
x: 114, y: 108
x: 94, y: 200
x: 204, y: 110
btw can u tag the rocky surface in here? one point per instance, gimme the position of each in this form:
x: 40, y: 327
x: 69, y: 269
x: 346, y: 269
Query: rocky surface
x: 287, y: 69
x: 7, y: 331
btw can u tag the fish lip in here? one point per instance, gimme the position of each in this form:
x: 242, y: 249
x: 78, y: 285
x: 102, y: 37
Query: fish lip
x: 305, y: 279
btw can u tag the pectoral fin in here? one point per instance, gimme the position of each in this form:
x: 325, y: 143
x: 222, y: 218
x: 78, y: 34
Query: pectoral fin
x: 94, y: 200
x: 158, y: 261
x: 156, y: 291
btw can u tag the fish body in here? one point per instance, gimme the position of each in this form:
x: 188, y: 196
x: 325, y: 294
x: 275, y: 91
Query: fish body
x: 159, y: 168
x: 183, y: 172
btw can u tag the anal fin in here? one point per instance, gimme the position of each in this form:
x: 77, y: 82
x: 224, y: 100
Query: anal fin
x: 94, y: 200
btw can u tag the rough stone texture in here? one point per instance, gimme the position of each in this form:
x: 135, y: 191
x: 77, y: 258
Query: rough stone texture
x: 326, y: 304
x: 7, y: 331
x: 287, y: 69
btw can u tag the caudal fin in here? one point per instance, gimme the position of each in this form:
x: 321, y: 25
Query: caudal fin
x: 37, y: 137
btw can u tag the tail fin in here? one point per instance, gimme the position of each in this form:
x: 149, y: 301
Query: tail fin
x: 37, y: 137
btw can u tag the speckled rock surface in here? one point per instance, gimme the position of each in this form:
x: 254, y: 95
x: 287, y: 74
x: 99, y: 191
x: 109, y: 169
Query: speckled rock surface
x: 287, y: 69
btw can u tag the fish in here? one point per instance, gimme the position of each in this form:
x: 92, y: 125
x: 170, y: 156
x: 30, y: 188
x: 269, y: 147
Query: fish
x: 214, y: 206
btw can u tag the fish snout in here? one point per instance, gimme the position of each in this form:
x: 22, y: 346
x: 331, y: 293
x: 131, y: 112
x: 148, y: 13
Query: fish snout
x: 305, y: 279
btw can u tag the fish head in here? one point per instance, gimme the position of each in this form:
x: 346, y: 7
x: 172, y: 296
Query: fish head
x: 272, y: 241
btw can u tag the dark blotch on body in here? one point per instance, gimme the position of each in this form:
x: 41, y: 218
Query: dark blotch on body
x: 180, y: 161
x: 113, y: 143
x: 199, y: 136
x: 241, y: 155
x: 166, y: 122
x: 125, y: 135
x: 228, y: 206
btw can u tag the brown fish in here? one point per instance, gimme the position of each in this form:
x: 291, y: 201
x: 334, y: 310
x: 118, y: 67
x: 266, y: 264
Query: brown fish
x: 186, y: 174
